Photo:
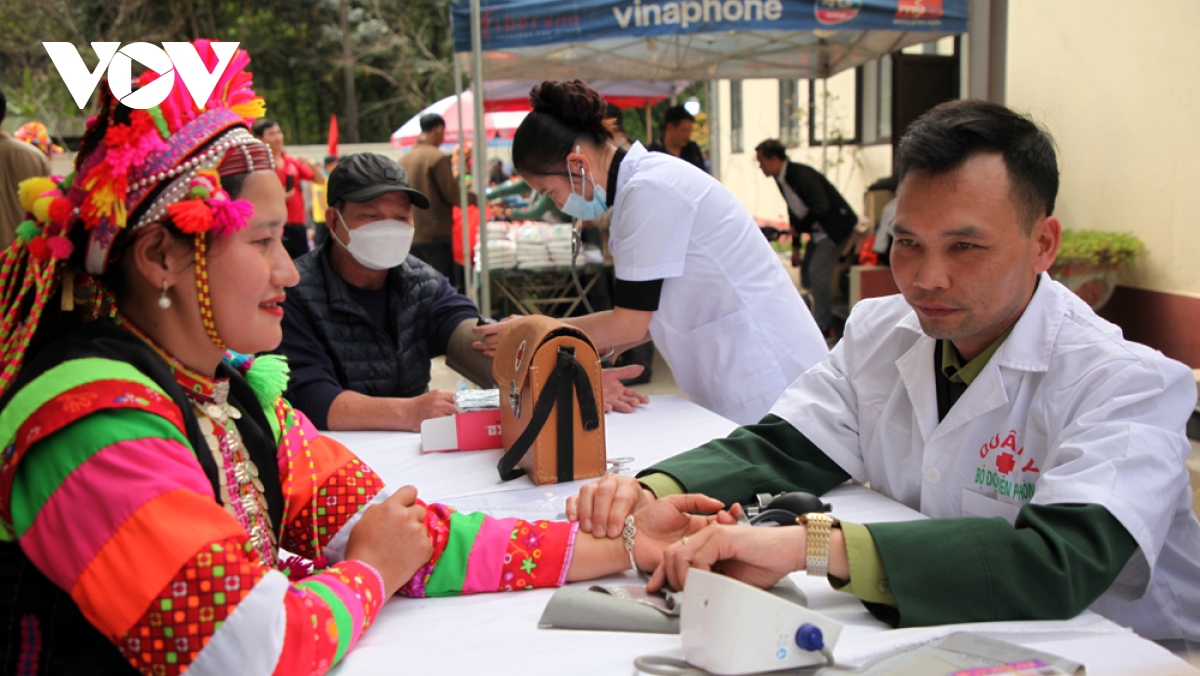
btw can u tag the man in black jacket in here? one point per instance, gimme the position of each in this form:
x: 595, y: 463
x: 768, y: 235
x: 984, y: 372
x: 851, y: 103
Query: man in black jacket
x: 361, y: 327
x: 815, y: 207
x: 677, y: 138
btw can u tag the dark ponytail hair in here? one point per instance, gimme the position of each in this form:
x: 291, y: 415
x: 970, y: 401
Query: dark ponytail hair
x: 564, y: 113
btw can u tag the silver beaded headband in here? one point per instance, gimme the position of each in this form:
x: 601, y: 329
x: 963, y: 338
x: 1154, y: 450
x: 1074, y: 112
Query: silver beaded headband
x: 182, y: 175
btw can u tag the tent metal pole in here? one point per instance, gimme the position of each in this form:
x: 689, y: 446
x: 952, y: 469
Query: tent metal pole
x: 468, y: 267
x: 824, y: 125
x: 480, y: 158
x: 649, y: 125
x: 714, y: 128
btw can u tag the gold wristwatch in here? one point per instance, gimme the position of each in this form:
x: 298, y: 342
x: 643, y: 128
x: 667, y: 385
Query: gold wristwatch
x: 816, y: 551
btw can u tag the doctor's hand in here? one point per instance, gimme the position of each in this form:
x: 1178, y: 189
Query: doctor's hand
x: 756, y: 556
x: 663, y: 522
x: 617, y: 397
x: 490, y: 336
x: 601, y: 506
x: 391, y: 537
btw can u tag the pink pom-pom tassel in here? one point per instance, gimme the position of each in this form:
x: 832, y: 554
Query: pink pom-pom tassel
x: 229, y: 216
x: 60, y: 247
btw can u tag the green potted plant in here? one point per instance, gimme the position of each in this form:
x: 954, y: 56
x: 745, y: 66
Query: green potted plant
x: 1089, y: 261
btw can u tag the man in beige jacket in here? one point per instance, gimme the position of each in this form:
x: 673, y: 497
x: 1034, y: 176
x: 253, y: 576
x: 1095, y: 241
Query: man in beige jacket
x: 18, y: 161
x: 430, y: 172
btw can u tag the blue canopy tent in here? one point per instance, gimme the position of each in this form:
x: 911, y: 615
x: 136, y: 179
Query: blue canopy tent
x: 657, y: 40
x: 678, y: 40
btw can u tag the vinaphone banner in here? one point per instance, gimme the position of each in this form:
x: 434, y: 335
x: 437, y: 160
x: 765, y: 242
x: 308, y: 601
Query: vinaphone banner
x: 507, y: 24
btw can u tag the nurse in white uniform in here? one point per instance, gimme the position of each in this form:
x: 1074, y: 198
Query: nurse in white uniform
x: 693, y: 272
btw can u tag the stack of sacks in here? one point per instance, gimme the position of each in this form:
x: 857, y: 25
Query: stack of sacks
x: 502, y: 251
x: 542, y: 245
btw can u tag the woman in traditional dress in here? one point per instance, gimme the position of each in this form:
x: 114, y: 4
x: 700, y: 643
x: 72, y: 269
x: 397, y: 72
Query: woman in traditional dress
x: 151, y: 473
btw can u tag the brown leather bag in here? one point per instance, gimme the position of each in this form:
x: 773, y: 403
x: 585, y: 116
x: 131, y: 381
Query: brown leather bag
x: 541, y: 366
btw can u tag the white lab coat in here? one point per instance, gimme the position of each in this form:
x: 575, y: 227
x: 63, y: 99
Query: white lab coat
x: 1065, y: 412
x: 730, y: 323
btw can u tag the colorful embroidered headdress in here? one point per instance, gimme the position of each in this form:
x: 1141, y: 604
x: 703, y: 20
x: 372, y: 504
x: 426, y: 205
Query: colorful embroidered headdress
x: 135, y: 167
x: 36, y: 135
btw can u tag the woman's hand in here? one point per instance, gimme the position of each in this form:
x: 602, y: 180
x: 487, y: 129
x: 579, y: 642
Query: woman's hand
x: 490, y: 336
x: 601, y: 506
x: 617, y: 397
x: 757, y: 556
x: 664, y: 522
x: 391, y: 538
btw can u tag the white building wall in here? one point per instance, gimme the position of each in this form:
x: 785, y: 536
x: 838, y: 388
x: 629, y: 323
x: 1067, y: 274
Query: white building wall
x: 1117, y: 85
x: 851, y: 168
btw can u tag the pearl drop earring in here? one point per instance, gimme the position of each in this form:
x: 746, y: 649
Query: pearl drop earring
x: 163, y: 301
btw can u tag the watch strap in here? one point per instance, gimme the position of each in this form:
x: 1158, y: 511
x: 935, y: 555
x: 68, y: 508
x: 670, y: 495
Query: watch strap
x: 816, y: 553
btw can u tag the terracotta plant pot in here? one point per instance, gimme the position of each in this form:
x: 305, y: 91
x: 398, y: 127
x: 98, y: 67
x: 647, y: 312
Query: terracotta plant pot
x: 1093, y: 283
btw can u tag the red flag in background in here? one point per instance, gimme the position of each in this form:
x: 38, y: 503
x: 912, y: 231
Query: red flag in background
x: 333, y: 136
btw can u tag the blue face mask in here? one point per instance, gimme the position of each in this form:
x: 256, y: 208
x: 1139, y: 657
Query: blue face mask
x: 577, y: 207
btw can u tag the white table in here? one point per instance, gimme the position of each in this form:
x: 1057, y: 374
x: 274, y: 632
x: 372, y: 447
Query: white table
x: 498, y: 634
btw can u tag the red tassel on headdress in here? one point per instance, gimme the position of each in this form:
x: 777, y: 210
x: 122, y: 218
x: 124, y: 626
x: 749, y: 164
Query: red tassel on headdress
x: 39, y: 249
x: 191, y: 216
x: 61, y: 210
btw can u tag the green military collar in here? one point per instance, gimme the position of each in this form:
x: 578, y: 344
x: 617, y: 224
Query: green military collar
x: 956, y: 372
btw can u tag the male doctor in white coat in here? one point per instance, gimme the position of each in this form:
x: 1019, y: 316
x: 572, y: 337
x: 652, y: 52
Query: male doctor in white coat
x: 1048, y: 450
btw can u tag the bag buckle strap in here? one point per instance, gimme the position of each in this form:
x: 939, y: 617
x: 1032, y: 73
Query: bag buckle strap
x: 514, y: 398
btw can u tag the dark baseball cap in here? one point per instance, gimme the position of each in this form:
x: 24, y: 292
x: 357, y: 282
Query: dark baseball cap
x: 365, y: 176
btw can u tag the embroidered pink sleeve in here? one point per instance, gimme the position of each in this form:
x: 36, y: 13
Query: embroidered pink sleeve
x: 325, y: 614
x: 538, y: 555
x: 311, y: 462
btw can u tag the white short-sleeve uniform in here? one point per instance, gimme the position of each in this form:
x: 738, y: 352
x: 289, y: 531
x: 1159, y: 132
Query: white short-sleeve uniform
x: 730, y: 322
x: 1065, y: 412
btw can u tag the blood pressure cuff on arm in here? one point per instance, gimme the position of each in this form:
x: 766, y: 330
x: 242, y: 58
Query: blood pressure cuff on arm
x: 641, y: 296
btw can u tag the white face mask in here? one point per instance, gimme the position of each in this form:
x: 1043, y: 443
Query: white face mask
x: 380, y: 245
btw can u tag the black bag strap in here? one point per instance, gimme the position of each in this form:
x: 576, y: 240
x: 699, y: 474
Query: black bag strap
x: 569, y: 377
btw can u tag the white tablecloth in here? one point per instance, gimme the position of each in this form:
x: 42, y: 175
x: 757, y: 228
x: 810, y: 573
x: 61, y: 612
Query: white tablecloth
x: 498, y: 634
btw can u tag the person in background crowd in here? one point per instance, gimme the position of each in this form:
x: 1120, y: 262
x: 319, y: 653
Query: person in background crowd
x: 292, y: 171
x: 817, y: 209
x: 37, y: 135
x: 361, y: 327
x: 152, y: 475
x: 320, y: 203
x: 537, y: 207
x: 677, y: 138
x: 496, y: 175
x: 432, y: 174
x: 1048, y: 452
x: 18, y: 161
x: 459, y: 150
x: 693, y: 271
